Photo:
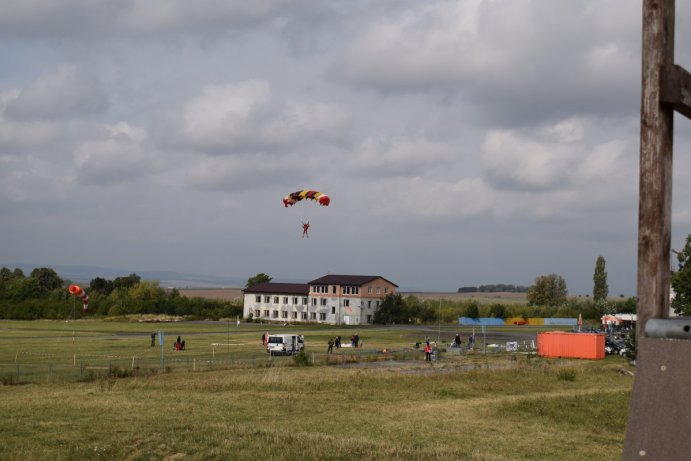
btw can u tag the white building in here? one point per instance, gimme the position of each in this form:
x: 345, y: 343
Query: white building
x: 332, y: 299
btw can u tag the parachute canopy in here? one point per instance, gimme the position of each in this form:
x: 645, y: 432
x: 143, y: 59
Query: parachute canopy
x: 77, y: 291
x: 292, y: 199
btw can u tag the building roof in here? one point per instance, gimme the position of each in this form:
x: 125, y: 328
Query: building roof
x: 351, y: 280
x: 299, y: 289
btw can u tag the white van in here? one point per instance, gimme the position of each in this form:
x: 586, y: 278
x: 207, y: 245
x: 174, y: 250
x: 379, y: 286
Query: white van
x: 287, y: 344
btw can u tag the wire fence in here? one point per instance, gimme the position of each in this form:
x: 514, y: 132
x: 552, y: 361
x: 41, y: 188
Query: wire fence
x: 37, y: 367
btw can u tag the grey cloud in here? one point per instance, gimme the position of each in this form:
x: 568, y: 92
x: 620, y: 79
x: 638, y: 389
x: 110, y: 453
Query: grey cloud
x: 518, y: 59
x: 67, y: 92
x: 242, y: 172
x: 121, y: 157
x: 245, y: 116
x: 105, y: 18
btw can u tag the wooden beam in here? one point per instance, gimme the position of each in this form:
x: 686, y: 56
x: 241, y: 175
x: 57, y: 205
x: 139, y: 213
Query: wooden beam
x: 675, y: 89
x: 655, y: 189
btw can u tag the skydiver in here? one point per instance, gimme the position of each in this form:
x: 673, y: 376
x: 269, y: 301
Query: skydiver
x: 305, y: 228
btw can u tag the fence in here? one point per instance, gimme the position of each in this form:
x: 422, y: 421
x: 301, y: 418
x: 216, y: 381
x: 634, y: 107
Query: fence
x: 43, y: 368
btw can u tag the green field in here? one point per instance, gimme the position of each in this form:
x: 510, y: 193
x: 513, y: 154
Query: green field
x: 97, y: 390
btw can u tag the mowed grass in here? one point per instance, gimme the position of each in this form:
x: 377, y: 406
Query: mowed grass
x: 473, y: 407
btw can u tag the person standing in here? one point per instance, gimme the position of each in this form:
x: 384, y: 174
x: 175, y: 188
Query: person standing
x: 428, y: 352
x: 153, y: 339
x: 331, y: 346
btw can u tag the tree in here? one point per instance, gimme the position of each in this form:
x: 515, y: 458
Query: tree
x: 257, y: 279
x: 101, y: 285
x: 497, y: 310
x: 46, y: 278
x: 126, y: 282
x: 472, y: 310
x: 548, y: 290
x: 600, y: 288
x: 681, y: 280
x: 393, y: 309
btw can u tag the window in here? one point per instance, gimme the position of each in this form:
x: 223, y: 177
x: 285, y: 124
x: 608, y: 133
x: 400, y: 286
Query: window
x: 386, y: 289
x: 267, y: 299
x: 304, y: 301
x: 346, y: 290
x: 276, y: 300
x: 369, y: 319
x: 314, y: 301
x: 369, y: 290
x: 377, y: 306
x: 266, y: 313
x: 257, y: 313
x: 333, y: 289
x: 369, y: 304
x: 333, y: 309
x: 378, y: 290
x: 284, y: 314
x: 285, y: 300
x: 295, y: 300
x: 303, y: 315
x: 313, y: 316
x: 294, y: 315
x: 258, y: 299
x: 322, y: 302
x: 322, y: 316
x: 356, y: 290
x: 346, y: 302
x: 275, y: 314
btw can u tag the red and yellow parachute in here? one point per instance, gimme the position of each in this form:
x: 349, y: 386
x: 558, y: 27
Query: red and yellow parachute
x: 77, y: 291
x: 319, y: 197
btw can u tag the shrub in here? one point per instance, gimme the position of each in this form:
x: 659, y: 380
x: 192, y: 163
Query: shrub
x: 566, y: 374
x: 301, y: 359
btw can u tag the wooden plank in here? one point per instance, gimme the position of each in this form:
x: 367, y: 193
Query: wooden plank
x: 675, y: 89
x: 660, y: 411
x: 655, y: 187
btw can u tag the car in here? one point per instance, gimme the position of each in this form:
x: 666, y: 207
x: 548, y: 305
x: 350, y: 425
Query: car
x: 614, y: 346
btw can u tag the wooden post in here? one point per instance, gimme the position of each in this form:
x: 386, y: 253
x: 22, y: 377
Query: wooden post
x: 659, y: 415
x: 655, y: 194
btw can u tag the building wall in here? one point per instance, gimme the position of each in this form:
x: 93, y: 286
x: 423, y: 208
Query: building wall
x: 334, y: 306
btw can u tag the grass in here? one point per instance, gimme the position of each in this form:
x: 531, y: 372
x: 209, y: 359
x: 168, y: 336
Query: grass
x: 473, y: 407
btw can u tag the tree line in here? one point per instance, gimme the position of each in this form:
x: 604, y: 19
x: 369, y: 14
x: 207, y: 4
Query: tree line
x: 43, y: 294
x: 494, y: 288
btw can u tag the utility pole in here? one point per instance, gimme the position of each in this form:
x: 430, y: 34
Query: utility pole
x: 659, y: 411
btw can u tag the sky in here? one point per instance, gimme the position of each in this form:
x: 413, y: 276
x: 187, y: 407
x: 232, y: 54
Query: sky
x: 462, y: 143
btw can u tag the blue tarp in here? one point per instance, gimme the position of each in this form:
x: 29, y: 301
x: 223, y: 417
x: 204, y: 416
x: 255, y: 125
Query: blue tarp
x: 490, y: 321
x: 556, y: 321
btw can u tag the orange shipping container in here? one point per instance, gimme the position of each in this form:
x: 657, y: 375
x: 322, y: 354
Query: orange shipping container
x: 571, y: 345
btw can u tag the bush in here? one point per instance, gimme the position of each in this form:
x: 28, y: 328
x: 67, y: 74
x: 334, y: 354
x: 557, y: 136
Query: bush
x: 566, y: 374
x: 301, y: 359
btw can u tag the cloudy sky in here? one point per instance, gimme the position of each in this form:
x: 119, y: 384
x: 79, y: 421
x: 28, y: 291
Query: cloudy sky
x: 462, y: 142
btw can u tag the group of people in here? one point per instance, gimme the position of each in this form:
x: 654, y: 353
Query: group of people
x: 178, y: 346
x: 458, y: 341
x: 334, y: 342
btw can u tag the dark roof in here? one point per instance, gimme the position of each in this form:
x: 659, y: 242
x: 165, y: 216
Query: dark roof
x: 301, y: 289
x: 352, y: 280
